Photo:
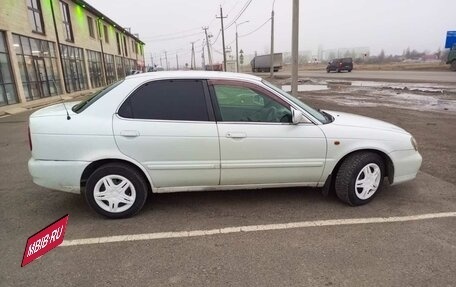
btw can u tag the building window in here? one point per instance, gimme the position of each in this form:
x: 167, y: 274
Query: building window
x: 7, y: 88
x: 106, y: 34
x: 110, y: 69
x: 38, y: 67
x: 74, y: 68
x: 95, y: 68
x: 119, y: 47
x: 125, y: 46
x: 66, y: 20
x: 119, y: 67
x: 128, y: 65
x: 133, y: 47
x: 35, y: 15
x: 91, y: 29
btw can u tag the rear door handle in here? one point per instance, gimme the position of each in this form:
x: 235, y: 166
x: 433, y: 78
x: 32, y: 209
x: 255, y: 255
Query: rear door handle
x: 129, y: 134
x: 236, y: 135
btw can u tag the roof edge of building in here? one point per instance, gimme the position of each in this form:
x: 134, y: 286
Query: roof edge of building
x: 95, y: 11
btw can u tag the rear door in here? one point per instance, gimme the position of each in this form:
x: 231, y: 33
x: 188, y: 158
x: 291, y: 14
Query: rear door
x: 169, y: 127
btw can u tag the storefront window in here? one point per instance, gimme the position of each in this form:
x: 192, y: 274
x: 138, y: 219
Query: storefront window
x: 74, y: 68
x: 120, y: 68
x: 7, y: 88
x: 38, y: 67
x: 110, y: 69
x: 95, y: 68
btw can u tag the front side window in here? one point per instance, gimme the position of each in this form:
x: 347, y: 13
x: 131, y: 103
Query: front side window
x: 35, y: 15
x: 66, y: 21
x: 178, y: 100
x: 322, y: 117
x: 243, y: 104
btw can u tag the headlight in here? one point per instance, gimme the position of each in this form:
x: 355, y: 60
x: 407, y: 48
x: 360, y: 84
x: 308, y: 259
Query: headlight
x: 414, y: 143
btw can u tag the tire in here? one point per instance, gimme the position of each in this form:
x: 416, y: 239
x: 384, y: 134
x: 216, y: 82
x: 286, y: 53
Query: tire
x: 349, y: 71
x: 327, y: 70
x: 116, y: 175
x: 354, y: 169
x: 337, y: 71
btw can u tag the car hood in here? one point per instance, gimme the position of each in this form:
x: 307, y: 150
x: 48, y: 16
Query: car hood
x: 352, y: 120
x: 55, y: 110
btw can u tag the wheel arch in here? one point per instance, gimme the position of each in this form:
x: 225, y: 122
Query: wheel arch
x: 389, y: 167
x: 96, y: 164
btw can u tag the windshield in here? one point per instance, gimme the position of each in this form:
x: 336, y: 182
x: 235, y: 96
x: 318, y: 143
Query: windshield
x: 93, y: 98
x: 321, y: 116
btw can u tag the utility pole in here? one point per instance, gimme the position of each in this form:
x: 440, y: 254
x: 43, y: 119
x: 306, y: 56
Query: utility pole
x: 272, y: 42
x: 177, y: 62
x: 192, y: 60
x: 223, y: 37
x: 295, y: 48
x: 208, y: 48
x: 237, y: 48
x: 166, y: 61
x: 203, y: 60
x: 151, y: 60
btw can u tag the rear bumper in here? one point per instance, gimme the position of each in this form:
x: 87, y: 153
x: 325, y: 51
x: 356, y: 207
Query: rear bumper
x: 406, y: 163
x: 58, y: 175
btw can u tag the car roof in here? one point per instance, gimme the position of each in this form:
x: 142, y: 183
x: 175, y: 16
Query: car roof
x: 193, y: 75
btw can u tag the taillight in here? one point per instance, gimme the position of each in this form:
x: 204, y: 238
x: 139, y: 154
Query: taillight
x: 29, y: 138
x: 340, y: 64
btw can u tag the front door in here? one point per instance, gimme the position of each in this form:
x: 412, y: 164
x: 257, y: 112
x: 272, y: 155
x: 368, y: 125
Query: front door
x: 258, y: 142
x: 169, y: 128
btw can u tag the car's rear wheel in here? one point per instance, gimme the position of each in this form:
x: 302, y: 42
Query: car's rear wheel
x: 360, y: 178
x: 116, y: 190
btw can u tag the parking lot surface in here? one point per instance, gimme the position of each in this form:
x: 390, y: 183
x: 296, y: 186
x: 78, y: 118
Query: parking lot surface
x: 406, y: 253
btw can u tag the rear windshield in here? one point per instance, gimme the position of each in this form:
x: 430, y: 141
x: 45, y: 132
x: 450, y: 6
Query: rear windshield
x: 346, y: 60
x: 93, y: 98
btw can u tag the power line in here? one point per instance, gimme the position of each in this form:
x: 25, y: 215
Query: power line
x: 251, y: 32
x: 246, y: 5
x: 170, y: 34
x: 172, y: 38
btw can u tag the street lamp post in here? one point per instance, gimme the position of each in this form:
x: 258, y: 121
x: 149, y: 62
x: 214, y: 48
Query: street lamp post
x: 271, y: 68
x: 237, y: 47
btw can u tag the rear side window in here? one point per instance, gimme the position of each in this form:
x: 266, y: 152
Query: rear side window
x: 181, y: 100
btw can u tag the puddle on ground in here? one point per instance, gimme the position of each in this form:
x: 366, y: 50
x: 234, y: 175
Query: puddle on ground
x: 306, y: 88
x: 404, y: 101
x: 421, y: 87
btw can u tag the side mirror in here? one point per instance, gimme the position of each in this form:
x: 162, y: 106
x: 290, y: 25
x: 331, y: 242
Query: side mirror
x: 297, y: 117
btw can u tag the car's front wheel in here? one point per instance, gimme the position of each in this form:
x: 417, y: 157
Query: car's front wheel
x: 360, y: 178
x: 116, y: 190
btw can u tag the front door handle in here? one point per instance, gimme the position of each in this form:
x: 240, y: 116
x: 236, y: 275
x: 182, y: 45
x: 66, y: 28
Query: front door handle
x: 129, y: 134
x: 236, y: 135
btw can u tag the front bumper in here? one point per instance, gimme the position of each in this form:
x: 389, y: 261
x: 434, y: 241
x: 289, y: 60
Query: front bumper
x: 58, y: 175
x: 406, y: 163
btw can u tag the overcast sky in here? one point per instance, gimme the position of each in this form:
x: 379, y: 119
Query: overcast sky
x: 392, y: 25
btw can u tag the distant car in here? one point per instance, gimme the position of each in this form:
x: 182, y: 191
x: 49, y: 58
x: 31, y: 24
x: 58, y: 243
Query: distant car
x: 198, y: 131
x: 338, y: 65
x: 134, y: 72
